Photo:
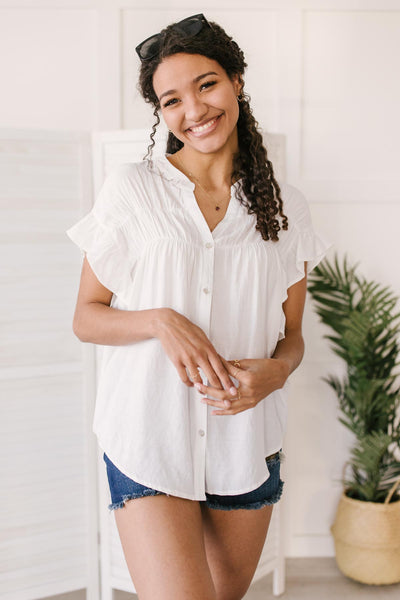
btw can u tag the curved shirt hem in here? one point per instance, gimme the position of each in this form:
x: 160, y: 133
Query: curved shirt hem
x: 181, y: 494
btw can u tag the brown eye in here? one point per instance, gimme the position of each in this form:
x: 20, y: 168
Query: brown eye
x: 170, y: 102
x: 207, y: 84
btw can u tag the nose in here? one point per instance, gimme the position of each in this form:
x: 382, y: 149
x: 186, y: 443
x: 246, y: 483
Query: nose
x: 195, y: 109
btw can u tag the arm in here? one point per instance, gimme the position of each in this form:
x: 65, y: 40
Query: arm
x: 185, y: 344
x: 290, y: 350
x: 95, y: 321
x: 260, y: 377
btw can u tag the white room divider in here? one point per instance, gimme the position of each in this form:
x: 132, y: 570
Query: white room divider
x: 48, y: 520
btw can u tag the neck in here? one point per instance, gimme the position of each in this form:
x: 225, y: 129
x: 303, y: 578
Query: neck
x: 214, y: 170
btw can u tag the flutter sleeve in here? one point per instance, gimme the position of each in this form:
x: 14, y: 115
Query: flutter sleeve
x: 103, y: 235
x: 300, y: 243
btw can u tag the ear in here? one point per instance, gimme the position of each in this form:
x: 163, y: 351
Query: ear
x: 237, y: 83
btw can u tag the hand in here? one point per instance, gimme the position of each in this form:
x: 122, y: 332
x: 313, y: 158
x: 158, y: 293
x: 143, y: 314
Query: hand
x: 257, y: 379
x: 188, y: 347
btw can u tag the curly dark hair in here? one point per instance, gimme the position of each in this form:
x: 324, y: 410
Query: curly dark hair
x: 251, y: 164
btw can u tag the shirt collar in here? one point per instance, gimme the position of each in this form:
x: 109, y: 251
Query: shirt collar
x: 167, y: 170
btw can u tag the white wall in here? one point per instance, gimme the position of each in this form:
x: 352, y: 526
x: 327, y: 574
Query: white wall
x: 324, y: 73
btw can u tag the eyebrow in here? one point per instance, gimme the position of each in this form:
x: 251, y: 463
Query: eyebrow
x: 195, y: 80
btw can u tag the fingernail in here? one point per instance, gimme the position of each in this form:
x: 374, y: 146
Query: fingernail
x: 232, y: 390
x: 197, y: 386
x: 227, y: 403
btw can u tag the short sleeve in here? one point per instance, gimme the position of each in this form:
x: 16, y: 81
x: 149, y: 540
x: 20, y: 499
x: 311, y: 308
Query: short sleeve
x: 300, y: 243
x: 102, y: 235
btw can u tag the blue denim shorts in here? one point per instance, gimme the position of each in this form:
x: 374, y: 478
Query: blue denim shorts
x: 123, y: 489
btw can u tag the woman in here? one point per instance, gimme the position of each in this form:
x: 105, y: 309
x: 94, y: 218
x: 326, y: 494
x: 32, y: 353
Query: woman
x: 194, y: 282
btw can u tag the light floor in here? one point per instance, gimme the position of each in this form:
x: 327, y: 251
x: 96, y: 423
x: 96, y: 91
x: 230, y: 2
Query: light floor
x: 306, y: 579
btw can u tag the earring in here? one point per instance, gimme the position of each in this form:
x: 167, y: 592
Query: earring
x: 240, y: 98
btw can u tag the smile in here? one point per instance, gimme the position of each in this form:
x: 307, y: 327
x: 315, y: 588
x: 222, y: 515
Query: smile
x: 206, y: 127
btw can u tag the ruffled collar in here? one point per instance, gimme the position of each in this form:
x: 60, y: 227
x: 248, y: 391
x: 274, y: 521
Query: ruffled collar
x: 167, y: 170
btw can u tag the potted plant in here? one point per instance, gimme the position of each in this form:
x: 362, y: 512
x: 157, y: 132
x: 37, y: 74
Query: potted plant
x: 364, y: 332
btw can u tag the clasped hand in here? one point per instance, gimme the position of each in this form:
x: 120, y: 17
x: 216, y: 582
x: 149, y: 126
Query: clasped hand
x: 188, y: 348
x: 257, y: 377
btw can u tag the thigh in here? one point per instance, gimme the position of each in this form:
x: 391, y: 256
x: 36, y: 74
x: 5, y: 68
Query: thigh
x: 234, y: 541
x: 163, y: 543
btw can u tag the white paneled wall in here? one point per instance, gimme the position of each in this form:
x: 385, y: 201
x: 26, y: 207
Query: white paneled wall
x: 321, y: 72
x: 48, y: 62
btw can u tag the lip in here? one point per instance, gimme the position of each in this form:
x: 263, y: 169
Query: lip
x: 206, y: 127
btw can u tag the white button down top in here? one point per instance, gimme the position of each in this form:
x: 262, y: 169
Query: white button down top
x: 148, y: 242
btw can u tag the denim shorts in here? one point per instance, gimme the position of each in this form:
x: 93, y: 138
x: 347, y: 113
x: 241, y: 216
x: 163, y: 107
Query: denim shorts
x: 123, y: 489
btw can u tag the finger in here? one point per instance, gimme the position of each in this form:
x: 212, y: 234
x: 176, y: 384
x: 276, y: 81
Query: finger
x: 220, y: 369
x: 210, y: 374
x: 227, y: 412
x: 193, y: 372
x: 216, y: 393
x: 236, y: 408
x: 183, y: 374
x: 234, y: 367
x: 223, y: 404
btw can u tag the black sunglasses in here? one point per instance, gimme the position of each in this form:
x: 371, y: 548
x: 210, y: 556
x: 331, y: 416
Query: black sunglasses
x: 190, y: 26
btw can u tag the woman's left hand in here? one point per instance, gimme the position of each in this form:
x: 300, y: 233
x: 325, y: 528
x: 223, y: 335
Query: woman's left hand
x: 257, y: 378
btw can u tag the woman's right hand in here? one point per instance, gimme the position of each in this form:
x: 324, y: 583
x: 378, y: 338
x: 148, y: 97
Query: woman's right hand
x: 187, y: 345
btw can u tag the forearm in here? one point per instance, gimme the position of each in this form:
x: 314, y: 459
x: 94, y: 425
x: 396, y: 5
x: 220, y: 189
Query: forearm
x: 99, y: 323
x: 290, y: 350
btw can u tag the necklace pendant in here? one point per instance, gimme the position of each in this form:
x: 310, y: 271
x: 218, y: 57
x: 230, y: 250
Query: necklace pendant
x: 217, y: 207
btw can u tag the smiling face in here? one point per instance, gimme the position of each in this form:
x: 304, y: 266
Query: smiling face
x: 198, y: 102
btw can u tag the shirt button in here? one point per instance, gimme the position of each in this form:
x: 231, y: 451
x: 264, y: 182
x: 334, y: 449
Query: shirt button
x: 201, y: 432
x: 209, y: 245
x: 206, y: 290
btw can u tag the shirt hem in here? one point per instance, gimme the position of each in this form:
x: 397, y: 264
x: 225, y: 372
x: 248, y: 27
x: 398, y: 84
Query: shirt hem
x: 184, y: 495
x: 247, y: 489
x: 131, y: 475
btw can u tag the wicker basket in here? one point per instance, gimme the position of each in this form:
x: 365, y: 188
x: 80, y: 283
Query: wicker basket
x: 367, y: 539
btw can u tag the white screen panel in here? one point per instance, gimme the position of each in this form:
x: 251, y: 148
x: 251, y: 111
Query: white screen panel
x: 44, y: 460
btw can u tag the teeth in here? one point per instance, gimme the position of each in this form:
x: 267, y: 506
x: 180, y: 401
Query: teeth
x: 203, y: 127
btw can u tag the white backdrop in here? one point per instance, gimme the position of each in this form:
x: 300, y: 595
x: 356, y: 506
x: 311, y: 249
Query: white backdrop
x: 324, y: 74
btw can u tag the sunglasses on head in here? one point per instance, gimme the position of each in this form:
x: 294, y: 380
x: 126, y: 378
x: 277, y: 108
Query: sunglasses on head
x: 190, y: 26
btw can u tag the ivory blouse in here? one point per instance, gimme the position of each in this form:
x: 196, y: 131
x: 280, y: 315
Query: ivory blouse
x: 149, y: 244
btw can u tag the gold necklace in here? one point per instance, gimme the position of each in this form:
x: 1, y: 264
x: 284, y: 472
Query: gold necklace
x: 191, y: 176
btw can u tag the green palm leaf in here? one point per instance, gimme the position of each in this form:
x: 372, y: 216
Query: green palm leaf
x: 365, y: 334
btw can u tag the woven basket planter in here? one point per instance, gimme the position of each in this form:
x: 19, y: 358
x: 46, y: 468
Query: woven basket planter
x: 367, y: 539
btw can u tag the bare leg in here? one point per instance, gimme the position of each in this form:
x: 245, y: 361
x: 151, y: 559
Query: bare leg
x: 234, y: 541
x: 163, y: 543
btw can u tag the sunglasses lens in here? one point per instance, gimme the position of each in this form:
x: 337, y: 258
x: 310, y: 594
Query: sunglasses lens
x: 150, y: 47
x: 191, y: 26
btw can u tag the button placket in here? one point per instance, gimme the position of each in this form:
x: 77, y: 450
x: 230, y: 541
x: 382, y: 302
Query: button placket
x: 200, y: 411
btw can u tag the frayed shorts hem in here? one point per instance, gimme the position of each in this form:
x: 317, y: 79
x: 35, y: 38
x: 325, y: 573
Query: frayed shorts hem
x: 124, y: 489
x: 214, y: 504
x: 125, y: 498
x: 250, y: 505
